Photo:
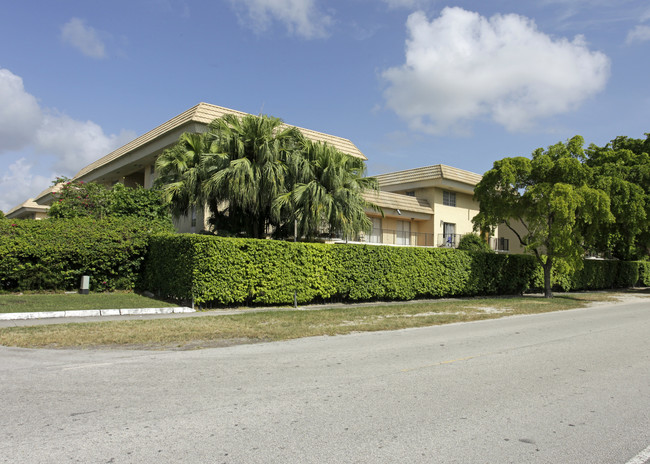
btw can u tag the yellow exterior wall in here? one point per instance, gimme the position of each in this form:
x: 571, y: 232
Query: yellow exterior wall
x: 514, y: 244
x: 461, y: 215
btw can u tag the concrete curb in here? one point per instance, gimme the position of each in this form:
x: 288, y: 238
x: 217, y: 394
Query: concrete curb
x: 94, y: 313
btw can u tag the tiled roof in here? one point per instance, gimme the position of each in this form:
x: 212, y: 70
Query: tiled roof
x: 204, y: 113
x: 437, y: 171
x: 398, y: 201
x: 29, y: 204
x: 51, y: 189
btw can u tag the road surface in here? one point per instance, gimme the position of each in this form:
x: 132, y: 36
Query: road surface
x: 565, y: 387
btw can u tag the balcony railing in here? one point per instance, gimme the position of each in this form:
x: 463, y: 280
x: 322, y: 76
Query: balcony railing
x: 452, y: 240
x: 449, y: 240
x: 396, y: 237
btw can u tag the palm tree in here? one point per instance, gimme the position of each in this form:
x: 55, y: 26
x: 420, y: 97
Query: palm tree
x: 247, y: 167
x: 181, y: 173
x: 329, y: 194
x: 254, y: 172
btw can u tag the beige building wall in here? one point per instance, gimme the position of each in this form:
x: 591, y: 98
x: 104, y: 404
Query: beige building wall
x: 514, y: 243
x: 460, y: 215
x: 149, y: 176
x: 431, y: 184
x: 195, y: 221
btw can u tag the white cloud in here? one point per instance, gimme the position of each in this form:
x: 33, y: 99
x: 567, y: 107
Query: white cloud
x: 462, y: 67
x: 19, y: 184
x: 84, y: 38
x: 25, y: 125
x: 300, y: 17
x: 20, y: 114
x: 75, y: 143
x: 640, y: 33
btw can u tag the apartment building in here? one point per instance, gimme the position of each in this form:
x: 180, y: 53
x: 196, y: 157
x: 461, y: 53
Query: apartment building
x: 428, y: 206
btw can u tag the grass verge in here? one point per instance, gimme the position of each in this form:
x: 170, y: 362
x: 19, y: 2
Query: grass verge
x: 222, y: 330
x: 34, y: 302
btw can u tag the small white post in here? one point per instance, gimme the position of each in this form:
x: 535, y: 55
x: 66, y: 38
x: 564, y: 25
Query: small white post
x: 84, y: 289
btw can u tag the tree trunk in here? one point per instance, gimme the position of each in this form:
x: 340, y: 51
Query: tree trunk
x: 260, y: 228
x: 548, y: 265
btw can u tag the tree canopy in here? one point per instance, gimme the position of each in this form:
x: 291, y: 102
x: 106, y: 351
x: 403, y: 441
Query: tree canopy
x: 547, y: 202
x: 80, y: 199
x: 622, y: 169
x: 258, y: 175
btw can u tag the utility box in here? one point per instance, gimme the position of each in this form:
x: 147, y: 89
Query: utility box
x: 84, y: 289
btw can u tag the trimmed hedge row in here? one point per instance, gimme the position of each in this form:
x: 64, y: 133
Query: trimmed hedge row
x: 247, y: 271
x: 53, y: 254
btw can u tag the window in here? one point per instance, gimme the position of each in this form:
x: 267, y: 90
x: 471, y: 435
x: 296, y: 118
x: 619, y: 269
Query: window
x: 448, y: 198
x: 449, y: 234
x: 375, y: 233
x: 193, y: 219
x: 403, y: 233
x: 410, y: 193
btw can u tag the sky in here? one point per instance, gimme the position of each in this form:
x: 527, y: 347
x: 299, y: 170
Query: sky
x: 411, y: 82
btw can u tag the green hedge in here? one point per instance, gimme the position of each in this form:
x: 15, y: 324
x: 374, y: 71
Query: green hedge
x: 246, y: 271
x: 53, y: 254
x: 595, y: 275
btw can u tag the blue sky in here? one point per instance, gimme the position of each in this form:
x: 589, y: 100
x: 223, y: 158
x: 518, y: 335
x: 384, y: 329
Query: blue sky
x: 410, y: 82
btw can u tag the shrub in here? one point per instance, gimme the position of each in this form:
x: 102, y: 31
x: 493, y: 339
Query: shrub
x: 473, y: 242
x: 248, y: 271
x: 75, y: 198
x: 53, y: 254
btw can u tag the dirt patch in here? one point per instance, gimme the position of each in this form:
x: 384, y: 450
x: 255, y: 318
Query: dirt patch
x: 492, y: 310
x: 192, y: 345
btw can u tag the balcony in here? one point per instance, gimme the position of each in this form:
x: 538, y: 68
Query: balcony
x: 402, y: 238
x: 452, y: 240
x: 396, y: 237
x: 448, y: 240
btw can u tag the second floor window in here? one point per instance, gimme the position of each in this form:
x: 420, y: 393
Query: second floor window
x: 448, y: 198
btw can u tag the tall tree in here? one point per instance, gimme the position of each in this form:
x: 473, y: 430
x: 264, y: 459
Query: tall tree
x: 181, y: 172
x: 622, y: 169
x: 256, y: 174
x: 247, y: 167
x: 327, y: 192
x: 546, y: 202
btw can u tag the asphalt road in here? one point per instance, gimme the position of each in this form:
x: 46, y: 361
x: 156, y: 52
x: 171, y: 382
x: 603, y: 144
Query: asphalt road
x: 566, y: 387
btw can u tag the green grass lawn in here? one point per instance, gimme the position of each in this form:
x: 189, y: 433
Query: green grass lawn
x: 34, y: 302
x: 252, y: 327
